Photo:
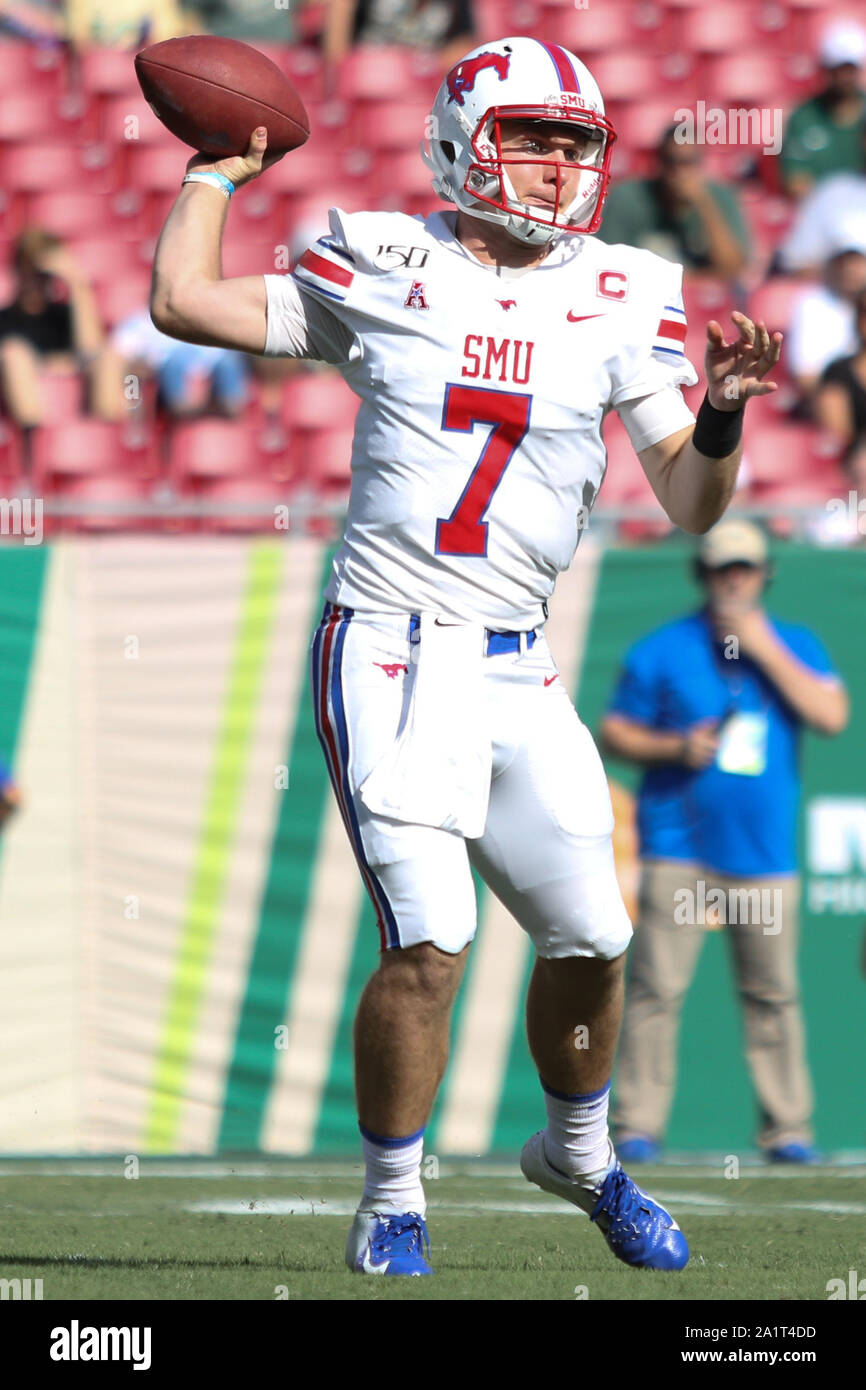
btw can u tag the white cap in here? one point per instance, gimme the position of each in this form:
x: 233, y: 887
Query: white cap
x: 843, y: 42
x: 848, y: 234
x: 732, y: 542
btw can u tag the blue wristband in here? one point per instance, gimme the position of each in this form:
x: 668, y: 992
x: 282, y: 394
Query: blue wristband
x: 214, y: 179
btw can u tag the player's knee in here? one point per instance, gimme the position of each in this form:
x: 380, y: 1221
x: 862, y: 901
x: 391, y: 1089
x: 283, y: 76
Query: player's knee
x: 579, y: 934
x: 427, y: 975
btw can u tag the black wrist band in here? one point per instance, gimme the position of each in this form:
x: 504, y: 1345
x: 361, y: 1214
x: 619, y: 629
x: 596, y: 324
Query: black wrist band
x: 717, y: 432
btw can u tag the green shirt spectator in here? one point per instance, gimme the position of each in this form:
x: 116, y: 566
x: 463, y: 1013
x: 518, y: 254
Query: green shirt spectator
x: 678, y: 213
x: 817, y: 145
x: 824, y: 136
x: 638, y: 214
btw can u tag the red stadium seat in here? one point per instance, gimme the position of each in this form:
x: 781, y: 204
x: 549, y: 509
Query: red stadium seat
x: 789, y: 453
x: 109, y: 72
x: 323, y: 457
x: 624, y: 480
x: 117, y: 492
x: 641, y: 124
x: 370, y: 72
x: 211, y: 448
x: 242, y: 258
x: 400, y: 176
x: 238, y: 496
x: 157, y: 168
x: 260, y: 214
x: 10, y: 450
x: 726, y: 28
x: 397, y: 126
x: 120, y: 298
x: 50, y: 164
x: 303, y: 63
x: 706, y: 297
x: 64, y: 395
x: 774, y: 302
x: 129, y: 122
x: 68, y: 214
x: 27, y: 115
x: 302, y: 169
x: 30, y: 66
x: 627, y: 75
x: 85, y: 446
x: 594, y: 29
x: 307, y: 217
x: 106, y: 259
x: 314, y: 400
x: 755, y: 77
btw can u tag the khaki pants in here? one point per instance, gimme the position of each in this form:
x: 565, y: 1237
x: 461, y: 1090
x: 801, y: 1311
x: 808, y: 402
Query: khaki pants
x: 663, y: 958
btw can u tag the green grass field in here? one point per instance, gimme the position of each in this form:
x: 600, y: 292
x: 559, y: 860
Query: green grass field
x: 202, y: 1229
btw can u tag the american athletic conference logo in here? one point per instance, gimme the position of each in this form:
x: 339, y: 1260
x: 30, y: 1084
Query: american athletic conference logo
x: 462, y: 78
x: 416, y: 298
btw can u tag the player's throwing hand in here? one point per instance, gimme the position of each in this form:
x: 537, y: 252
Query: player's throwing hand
x: 736, y: 370
x: 239, y: 168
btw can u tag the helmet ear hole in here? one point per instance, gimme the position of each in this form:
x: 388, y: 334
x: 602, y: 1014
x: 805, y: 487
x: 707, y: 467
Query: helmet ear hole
x: 448, y: 150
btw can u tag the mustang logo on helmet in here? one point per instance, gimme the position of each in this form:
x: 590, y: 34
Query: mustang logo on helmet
x: 462, y: 78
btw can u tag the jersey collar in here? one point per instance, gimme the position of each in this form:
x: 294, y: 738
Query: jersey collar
x: 442, y: 226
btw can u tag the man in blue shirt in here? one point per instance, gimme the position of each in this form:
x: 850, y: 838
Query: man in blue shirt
x: 10, y: 796
x: 712, y: 705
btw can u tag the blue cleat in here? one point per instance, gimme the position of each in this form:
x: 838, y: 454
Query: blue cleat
x: 637, y: 1229
x: 793, y: 1153
x: 381, y: 1243
x: 638, y: 1148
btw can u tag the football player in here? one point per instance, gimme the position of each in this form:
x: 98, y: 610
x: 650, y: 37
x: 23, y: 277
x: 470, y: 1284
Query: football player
x: 486, y: 343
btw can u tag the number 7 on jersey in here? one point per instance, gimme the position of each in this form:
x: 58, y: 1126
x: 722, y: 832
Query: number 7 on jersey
x: 463, y: 532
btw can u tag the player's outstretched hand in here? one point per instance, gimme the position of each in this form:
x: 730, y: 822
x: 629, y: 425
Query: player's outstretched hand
x: 736, y: 370
x: 239, y: 168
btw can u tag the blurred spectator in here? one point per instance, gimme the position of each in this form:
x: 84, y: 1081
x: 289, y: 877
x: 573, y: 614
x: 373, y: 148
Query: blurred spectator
x: 843, y: 520
x: 448, y: 26
x: 712, y: 705
x: 238, y: 19
x: 112, y: 23
x: 822, y: 136
x: 679, y: 213
x: 823, y: 324
x: 41, y: 20
x: 840, y: 398
x: 128, y: 23
x: 191, y: 378
x: 51, y: 325
x: 831, y: 202
x: 10, y: 794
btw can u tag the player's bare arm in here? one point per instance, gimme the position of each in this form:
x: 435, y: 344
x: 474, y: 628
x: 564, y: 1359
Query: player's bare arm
x: 694, y: 487
x: 189, y: 298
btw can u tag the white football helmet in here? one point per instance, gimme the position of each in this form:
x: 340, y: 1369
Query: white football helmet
x: 517, y: 78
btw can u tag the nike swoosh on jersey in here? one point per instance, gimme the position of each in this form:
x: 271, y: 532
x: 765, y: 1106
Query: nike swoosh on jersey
x: 548, y: 680
x: 579, y: 318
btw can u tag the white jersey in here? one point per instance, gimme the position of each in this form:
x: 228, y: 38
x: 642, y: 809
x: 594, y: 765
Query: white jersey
x: 478, y: 452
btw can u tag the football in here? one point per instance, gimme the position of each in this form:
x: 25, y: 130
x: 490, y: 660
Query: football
x: 213, y: 92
